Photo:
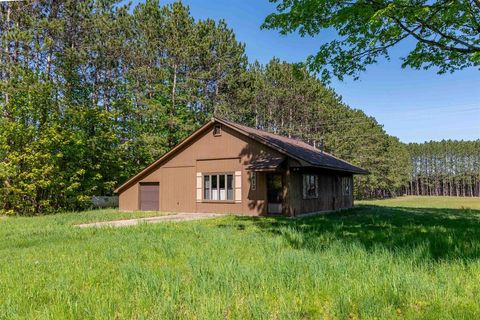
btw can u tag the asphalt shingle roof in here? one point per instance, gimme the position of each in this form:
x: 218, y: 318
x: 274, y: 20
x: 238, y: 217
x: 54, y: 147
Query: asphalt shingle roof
x: 298, y: 149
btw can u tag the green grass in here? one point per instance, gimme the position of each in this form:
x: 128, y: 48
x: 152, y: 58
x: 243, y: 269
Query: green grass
x: 399, y: 259
x: 427, y: 202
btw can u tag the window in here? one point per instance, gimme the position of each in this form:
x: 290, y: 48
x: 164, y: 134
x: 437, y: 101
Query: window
x: 347, y: 186
x: 310, y: 186
x: 253, y: 181
x: 218, y: 187
x: 217, y: 130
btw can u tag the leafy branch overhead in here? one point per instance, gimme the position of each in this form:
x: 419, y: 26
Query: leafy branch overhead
x: 444, y: 34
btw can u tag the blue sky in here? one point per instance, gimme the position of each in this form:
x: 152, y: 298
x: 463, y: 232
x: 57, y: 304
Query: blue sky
x: 413, y: 105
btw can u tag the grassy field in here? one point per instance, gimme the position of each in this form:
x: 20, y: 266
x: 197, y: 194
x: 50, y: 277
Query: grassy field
x: 408, y: 258
x: 427, y: 202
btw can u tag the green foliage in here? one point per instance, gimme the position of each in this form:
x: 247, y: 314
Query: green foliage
x: 445, y: 33
x: 372, y: 262
x: 92, y: 92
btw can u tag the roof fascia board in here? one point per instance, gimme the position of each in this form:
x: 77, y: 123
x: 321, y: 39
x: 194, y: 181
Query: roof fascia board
x: 331, y: 169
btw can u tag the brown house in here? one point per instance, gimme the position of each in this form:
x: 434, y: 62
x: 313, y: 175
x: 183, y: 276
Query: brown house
x: 225, y: 167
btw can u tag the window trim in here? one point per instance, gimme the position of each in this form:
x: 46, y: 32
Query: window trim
x: 304, y: 186
x: 218, y: 174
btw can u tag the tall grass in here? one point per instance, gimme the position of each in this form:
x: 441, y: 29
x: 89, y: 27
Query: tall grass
x: 427, y: 202
x: 370, y: 262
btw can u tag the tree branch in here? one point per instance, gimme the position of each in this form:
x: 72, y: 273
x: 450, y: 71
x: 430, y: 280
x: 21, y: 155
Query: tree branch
x: 472, y: 14
x: 452, y: 38
x: 477, y: 2
x: 377, y: 49
x: 434, y: 43
x: 470, y: 48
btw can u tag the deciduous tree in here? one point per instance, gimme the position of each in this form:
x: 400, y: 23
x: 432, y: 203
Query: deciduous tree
x: 445, y: 33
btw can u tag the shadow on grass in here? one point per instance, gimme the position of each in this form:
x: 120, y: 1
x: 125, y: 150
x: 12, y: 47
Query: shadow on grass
x: 433, y: 233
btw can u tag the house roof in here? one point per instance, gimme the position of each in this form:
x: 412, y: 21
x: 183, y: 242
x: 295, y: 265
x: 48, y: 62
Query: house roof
x: 296, y: 149
x: 293, y: 148
x: 266, y: 163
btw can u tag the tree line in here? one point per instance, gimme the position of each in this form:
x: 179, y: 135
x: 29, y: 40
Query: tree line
x: 93, y: 91
x: 445, y: 168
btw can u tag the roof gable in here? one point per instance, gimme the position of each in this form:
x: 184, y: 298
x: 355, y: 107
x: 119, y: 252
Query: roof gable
x: 166, y: 156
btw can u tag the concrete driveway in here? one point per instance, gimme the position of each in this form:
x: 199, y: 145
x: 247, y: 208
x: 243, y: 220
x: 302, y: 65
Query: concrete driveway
x: 131, y: 222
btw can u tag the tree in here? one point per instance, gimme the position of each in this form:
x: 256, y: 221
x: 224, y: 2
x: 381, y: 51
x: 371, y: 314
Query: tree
x: 446, y: 33
x: 91, y: 91
x: 445, y: 168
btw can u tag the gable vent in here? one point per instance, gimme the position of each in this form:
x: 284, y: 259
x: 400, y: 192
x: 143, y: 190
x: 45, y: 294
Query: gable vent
x: 217, y: 130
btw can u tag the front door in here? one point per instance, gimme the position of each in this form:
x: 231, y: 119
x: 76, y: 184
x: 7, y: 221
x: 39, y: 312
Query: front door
x: 274, y: 193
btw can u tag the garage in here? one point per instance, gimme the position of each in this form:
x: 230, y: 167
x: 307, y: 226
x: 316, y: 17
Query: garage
x: 150, y: 196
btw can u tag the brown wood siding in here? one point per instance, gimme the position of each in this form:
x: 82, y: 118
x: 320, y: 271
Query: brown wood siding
x: 330, y: 194
x: 177, y: 189
x: 219, y: 165
x: 256, y: 200
x: 128, y: 199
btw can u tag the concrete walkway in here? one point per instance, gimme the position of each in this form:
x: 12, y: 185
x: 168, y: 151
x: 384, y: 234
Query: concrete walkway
x: 131, y: 222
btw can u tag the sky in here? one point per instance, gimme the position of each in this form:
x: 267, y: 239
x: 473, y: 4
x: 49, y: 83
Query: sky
x: 414, y: 105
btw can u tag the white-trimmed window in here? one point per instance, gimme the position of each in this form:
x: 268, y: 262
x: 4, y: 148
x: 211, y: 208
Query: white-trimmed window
x: 218, y: 187
x: 347, y: 186
x: 310, y: 186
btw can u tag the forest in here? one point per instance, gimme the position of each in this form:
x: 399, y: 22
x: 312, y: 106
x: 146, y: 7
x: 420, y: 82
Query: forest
x: 93, y: 91
x: 445, y: 168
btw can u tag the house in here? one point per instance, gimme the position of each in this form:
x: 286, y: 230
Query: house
x: 225, y: 167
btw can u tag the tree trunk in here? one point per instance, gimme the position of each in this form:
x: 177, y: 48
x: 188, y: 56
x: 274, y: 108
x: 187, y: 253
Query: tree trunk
x: 7, y: 58
x: 174, y: 87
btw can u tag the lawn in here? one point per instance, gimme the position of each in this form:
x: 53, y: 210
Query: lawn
x: 408, y: 258
x: 428, y: 202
